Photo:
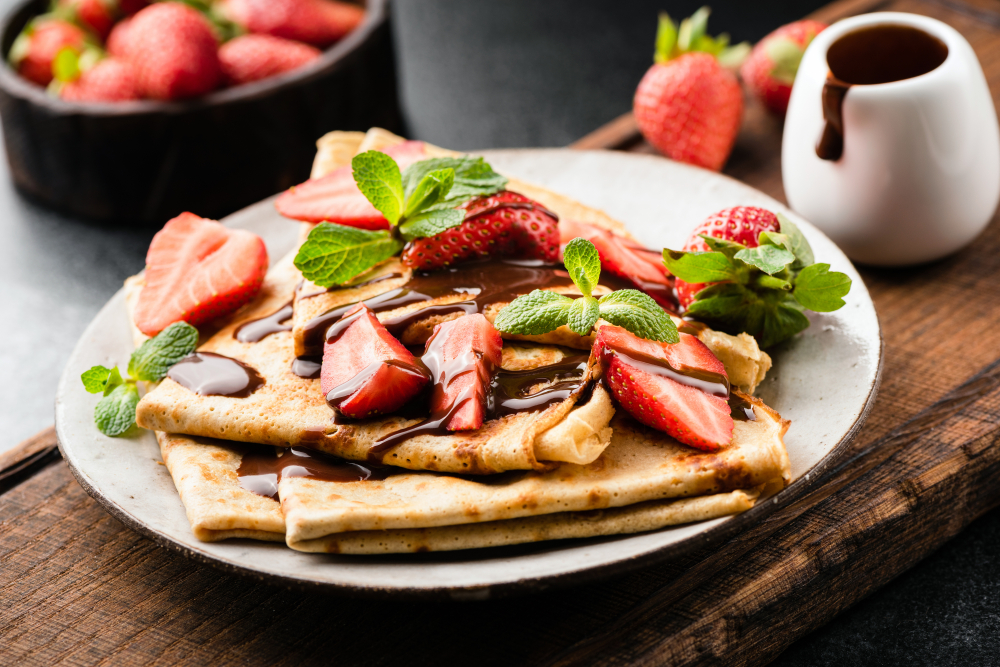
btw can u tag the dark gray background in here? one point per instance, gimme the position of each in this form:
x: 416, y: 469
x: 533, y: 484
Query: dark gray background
x: 480, y: 74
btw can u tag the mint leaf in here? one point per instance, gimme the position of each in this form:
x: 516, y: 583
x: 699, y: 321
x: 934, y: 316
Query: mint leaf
x: 474, y: 177
x: 154, y: 357
x: 534, y: 314
x: 431, y: 189
x: 115, y: 413
x: 583, y: 315
x: 333, y: 254
x: 431, y: 223
x: 583, y: 263
x: 114, y: 380
x: 95, y: 379
x: 378, y: 178
x: 768, y: 258
x: 821, y: 290
x: 637, y: 312
x: 699, y: 267
x: 798, y: 244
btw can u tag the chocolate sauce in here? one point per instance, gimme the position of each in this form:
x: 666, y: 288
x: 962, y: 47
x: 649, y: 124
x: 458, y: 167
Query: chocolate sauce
x: 713, y: 384
x: 484, y: 282
x: 257, y: 330
x: 308, y: 367
x: 260, y: 469
x: 741, y: 409
x: 868, y: 56
x: 397, y: 325
x: 510, y: 390
x: 336, y: 288
x: 211, y: 374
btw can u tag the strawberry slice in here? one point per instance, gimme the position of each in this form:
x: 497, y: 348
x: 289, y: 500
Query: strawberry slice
x: 366, y: 371
x: 680, y: 389
x: 534, y: 230
x: 196, y: 271
x: 463, y: 356
x: 336, y: 197
x: 625, y: 259
x: 482, y: 234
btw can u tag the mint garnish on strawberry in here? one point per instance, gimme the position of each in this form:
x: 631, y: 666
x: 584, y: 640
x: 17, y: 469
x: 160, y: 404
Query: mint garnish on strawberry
x: 760, y: 290
x: 115, y: 412
x: 541, y: 311
x: 419, y: 202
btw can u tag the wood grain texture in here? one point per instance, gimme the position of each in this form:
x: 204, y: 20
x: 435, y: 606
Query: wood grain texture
x: 76, y: 587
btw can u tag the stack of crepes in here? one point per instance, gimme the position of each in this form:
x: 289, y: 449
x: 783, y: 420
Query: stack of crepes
x: 574, y: 469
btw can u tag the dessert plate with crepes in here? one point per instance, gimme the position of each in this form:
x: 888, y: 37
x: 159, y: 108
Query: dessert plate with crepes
x: 558, y: 484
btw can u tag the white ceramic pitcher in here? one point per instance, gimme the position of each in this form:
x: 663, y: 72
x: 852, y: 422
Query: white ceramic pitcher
x: 919, y: 173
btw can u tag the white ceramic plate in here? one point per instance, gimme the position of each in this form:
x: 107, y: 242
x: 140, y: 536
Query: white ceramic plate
x: 824, y: 381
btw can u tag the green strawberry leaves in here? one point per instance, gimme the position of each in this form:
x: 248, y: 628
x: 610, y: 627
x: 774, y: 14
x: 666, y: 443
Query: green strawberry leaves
x: 115, y: 412
x: 692, y: 35
x: 541, y: 312
x: 764, y: 290
x: 419, y: 202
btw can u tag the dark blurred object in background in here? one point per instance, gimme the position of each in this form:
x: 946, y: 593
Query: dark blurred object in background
x: 546, y: 81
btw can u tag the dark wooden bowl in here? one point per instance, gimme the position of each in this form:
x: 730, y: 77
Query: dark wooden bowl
x: 144, y: 162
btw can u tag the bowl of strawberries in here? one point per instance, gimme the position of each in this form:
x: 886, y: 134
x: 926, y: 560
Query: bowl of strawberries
x: 130, y: 111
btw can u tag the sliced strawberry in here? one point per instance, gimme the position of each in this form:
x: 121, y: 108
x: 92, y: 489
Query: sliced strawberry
x: 485, y: 232
x: 463, y: 355
x: 198, y: 270
x: 366, y: 371
x: 625, y: 259
x: 534, y: 232
x: 336, y: 197
x: 640, y: 375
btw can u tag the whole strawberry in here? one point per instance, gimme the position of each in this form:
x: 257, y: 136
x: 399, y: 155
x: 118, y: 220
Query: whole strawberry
x: 174, y: 51
x: 95, y: 15
x: 117, y: 42
x: 688, y: 105
x: 110, y: 80
x: 316, y: 22
x: 253, y: 57
x: 35, y: 49
x: 770, y: 69
x: 740, y: 224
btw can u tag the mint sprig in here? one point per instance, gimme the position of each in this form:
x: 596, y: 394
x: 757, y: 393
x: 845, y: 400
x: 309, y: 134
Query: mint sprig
x: 115, y: 412
x: 541, y: 311
x: 762, y: 291
x: 419, y: 202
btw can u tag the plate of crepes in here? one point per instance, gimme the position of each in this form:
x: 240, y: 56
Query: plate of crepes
x: 425, y: 372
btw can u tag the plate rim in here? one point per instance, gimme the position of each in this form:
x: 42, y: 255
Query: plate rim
x: 521, y: 585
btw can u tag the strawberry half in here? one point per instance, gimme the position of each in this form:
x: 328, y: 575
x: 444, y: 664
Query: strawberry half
x: 366, y: 371
x: 740, y: 224
x: 486, y: 232
x: 463, y: 355
x: 336, y: 197
x: 534, y: 230
x: 196, y: 271
x: 625, y: 259
x: 638, y: 373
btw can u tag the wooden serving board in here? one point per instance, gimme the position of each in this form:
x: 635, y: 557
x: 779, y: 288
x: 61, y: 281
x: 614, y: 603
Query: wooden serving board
x: 78, y: 587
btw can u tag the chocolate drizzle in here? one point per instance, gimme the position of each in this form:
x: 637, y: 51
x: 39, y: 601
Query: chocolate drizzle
x: 211, y: 374
x: 257, y: 330
x: 511, y: 390
x: 308, y: 367
x: 336, y: 288
x: 713, y: 384
x: 260, y: 469
x: 741, y: 409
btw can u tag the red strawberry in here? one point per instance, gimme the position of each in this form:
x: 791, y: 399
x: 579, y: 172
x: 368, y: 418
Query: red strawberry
x: 481, y: 235
x: 365, y: 370
x: 770, y: 70
x: 198, y: 270
x: 253, y: 57
x: 110, y: 80
x: 316, y: 22
x: 463, y: 355
x: 741, y: 224
x: 638, y: 373
x: 174, y: 51
x: 336, y: 197
x: 625, y: 259
x: 117, y: 43
x: 36, y: 47
x: 97, y: 15
x: 534, y: 229
x: 688, y: 106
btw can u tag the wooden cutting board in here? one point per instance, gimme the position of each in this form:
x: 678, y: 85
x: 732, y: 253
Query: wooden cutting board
x: 77, y: 587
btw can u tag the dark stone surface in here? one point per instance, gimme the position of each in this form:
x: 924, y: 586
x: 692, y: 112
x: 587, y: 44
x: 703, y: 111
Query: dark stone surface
x: 476, y: 75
